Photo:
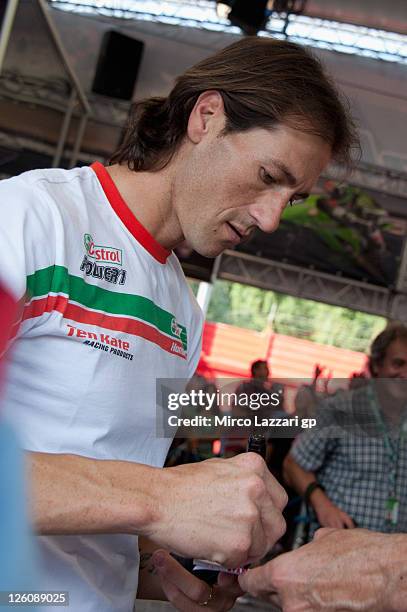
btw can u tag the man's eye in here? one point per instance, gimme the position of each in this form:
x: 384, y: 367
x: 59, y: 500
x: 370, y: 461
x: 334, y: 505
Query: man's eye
x: 267, y: 178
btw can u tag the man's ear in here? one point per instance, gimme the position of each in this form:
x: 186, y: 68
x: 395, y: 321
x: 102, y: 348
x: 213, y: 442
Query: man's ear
x: 207, y: 115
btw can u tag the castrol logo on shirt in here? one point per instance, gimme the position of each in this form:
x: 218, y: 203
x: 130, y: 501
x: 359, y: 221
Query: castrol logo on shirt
x: 175, y: 328
x: 104, y: 254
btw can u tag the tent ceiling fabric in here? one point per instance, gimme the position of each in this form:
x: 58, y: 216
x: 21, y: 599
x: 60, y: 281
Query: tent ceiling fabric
x: 390, y: 15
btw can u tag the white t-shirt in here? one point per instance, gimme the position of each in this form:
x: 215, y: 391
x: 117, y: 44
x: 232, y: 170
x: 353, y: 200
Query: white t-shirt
x: 108, y: 312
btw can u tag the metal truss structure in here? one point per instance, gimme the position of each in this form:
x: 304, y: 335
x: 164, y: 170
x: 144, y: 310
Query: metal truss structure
x: 65, y: 96
x: 345, y: 38
x: 312, y: 285
x: 377, y: 178
x: 320, y: 33
x: 35, y: 91
x: 54, y: 93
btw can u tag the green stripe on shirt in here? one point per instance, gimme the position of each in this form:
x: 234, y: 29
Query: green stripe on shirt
x: 56, y: 279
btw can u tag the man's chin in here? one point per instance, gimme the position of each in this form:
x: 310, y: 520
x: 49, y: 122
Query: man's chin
x: 209, y: 255
x: 209, y: 251
x: 395, y: 388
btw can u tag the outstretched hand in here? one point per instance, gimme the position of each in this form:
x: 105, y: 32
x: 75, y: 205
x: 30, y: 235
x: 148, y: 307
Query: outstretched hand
x: 340, y: 570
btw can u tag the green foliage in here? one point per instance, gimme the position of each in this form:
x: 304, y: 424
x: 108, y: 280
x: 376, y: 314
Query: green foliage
x: 255, y: 308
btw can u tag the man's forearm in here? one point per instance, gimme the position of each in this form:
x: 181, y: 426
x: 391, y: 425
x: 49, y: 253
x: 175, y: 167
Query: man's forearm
x: 71, y: 494
x: 174, y: 507
x: 296, y: 477
x: 328, y: 514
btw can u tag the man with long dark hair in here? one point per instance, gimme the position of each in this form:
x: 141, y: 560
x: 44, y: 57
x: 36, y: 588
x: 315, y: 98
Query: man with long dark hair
x: 242, y: 134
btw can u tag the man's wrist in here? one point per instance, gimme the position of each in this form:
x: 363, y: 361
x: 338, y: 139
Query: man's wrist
x: 310, y: 491
x: 135, y: 497
x: 153, y: 513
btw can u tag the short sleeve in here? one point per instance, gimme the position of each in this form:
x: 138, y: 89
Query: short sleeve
x: 311, y: 448
x: 26, y: 231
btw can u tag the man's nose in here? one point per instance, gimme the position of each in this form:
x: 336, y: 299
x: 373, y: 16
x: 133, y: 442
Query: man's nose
x: 267, y: 211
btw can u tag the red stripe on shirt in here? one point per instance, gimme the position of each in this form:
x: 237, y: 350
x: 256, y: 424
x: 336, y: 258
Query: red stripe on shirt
x: 79, y: 314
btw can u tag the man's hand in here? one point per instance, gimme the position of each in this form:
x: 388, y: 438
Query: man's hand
x: 328, y: 514
x: 224, y: 510
x: 188, y: 593
x: 338, y: 571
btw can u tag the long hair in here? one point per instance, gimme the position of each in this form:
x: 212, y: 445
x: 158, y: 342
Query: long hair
x: 263, y: 82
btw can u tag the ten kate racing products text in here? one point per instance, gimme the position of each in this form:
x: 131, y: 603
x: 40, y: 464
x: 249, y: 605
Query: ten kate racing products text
x: 103, y: 342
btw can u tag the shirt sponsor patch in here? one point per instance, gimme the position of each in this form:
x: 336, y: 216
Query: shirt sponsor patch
x: 110, y: 274
x: 102, y: 254
x: 104, y: 342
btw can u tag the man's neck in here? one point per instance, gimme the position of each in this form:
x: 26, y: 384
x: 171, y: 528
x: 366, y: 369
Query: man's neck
x: 149, y: 197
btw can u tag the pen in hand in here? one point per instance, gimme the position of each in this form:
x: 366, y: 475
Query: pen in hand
x: 208, y: 570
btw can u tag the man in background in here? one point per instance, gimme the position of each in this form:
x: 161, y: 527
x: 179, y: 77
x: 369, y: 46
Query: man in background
x: 358, y: 456
x: 352, y: 470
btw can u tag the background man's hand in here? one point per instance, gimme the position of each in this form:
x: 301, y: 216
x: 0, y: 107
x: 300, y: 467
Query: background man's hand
x: 328, y: 514
x: 224, y: 510
x: 338, y: 571
x: 187, y: 592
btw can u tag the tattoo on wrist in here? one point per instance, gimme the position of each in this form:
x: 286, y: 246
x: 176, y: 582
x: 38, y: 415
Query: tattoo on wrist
x: 145, y: 563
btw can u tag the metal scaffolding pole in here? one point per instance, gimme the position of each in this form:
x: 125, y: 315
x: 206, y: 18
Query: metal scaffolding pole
x: 64, y: 131
x: 77, y: 94
x: 78, y: 140
x: 6, y: 29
